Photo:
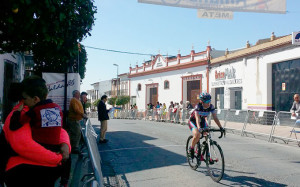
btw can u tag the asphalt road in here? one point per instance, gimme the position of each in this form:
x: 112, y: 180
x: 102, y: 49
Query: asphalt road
x: 144, y: 153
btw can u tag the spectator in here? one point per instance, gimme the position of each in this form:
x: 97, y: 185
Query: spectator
x: 83, y: 99
x: 189, y: 106
x: 103, y: 117
x: 29, y: 163
x: 170, y: 109
x: 46, y: 119
x: 295, y: 110
x: 164, y: 109
x: 76, y: 114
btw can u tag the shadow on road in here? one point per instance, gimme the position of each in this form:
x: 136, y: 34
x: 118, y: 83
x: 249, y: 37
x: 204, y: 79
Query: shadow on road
x: 128, y: 152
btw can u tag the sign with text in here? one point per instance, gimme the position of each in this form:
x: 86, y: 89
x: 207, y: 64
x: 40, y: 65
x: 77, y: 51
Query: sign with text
x: 296, y: 38
x: 56, y: 86
x: 264, y: 6
x: 213, y: 14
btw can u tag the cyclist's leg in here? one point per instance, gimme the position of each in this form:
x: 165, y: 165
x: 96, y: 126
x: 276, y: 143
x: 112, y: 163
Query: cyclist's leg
x: 195, y: 132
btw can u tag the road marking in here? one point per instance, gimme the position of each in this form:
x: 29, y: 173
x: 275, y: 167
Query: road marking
x: 133, y: 148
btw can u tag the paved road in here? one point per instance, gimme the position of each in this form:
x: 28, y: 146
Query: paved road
x: 144, y: 153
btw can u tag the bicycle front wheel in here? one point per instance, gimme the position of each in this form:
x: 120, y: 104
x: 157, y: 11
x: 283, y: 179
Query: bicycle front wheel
x: 193, y: 161
x: 215, y: 161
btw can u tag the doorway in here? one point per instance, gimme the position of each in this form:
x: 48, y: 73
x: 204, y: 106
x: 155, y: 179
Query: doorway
x: 285, y: 83
x: 193, y: 91
x: 153, y: 96
x: 8, y: 79
x: 219, y: 95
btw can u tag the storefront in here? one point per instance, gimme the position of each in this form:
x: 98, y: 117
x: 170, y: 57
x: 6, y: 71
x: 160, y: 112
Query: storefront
x: 264, y: 76
x: 227, y: 85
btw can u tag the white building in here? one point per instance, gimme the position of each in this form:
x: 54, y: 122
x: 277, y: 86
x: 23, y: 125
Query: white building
x: 264, y: 76
x: 166, y: 79
x: 12, y: 69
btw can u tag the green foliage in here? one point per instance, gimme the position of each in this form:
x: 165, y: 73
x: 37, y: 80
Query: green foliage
x: 112, y: 101
x: 122, y: 100
x: 95, y: 103
x: 51, y: 30
x: 88, y: 105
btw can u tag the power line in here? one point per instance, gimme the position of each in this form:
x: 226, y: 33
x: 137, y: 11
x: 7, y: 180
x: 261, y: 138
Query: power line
x: 124, y: 52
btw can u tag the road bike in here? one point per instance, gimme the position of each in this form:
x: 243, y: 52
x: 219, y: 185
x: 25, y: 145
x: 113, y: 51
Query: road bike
x: 210, y: 152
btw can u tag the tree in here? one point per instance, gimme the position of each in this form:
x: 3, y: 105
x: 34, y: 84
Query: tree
x: 112, y: 101
x: 122, y: 100
x: 95, y: 103
x: 51, y: 29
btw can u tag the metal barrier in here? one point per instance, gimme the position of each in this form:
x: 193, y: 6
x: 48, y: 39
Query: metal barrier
x: 93, y: 115
x: 236, y: 120
x: 94, y: 155
x: 254, y: 122
x: 259, y: 123
x: 221, y: 114
x: 285, y: 128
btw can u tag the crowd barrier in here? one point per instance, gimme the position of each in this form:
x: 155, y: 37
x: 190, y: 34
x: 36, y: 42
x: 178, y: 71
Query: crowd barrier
x: 286, y: 128
x: 271, y: 124
x: 90, y: 138
x: 260, y: 123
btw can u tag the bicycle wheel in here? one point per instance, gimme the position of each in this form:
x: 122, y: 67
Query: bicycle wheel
x: 215, y: 161
x: 193, y: 162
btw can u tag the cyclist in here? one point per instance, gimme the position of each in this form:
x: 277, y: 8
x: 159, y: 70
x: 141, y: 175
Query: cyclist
x: 197, y: 119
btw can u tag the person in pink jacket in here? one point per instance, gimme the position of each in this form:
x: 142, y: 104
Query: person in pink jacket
x: 31, y: 164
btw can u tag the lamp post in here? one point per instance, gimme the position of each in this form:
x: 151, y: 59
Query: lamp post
x: 117, y: 83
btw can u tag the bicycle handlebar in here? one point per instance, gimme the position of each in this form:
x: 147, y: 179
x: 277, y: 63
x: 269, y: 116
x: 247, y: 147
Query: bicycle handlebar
x: 223, y: 131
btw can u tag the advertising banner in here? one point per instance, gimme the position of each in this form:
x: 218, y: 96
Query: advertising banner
x: 263, y: 6
x: 56, y: 87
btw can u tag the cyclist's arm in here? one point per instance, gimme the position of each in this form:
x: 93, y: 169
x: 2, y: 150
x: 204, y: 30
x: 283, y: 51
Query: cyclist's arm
x: 198, y: 120
x: 216, y: 120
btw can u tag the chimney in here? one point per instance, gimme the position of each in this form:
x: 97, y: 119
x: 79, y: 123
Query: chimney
x: 226, y: 52
x: 273, y: 37
x: 247, y: 44
x: 178, y: 57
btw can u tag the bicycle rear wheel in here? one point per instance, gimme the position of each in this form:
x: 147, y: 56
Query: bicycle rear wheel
x: 215, y: 161
x: 193, y: 162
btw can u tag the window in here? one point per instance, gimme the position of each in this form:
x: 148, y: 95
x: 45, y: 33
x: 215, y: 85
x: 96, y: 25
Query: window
x: 139, y: 87
x: 166, y: 85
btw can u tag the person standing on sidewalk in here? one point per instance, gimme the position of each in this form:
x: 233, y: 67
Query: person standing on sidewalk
x: 83, y: 98
x: 76, y: 114
x: 295, y: 110
x: 103, y: 117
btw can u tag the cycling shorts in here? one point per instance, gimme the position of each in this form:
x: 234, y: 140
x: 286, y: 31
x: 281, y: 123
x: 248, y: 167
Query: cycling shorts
x: 192, y: 124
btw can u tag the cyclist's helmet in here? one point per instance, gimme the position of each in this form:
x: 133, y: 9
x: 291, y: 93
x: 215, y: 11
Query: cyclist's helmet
x: 205, y: 97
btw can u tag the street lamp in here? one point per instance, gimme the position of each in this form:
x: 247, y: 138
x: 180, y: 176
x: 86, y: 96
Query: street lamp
x: 117, y: 77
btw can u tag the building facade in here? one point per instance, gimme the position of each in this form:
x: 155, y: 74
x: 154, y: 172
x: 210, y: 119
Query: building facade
x: 264, y: 76
x: 166, y: 79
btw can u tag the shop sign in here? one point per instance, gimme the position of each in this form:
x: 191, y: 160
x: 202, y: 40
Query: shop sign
x: 198, y: 77
x: 226, y: 82
x: 229, y: 73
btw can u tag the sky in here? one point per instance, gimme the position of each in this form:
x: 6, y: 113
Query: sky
x: 129, y: 26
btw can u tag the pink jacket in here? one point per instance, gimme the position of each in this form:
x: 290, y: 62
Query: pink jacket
x: 29, y: 151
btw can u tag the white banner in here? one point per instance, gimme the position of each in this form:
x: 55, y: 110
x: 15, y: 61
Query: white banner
x: 56, y: 87
x: 296, y: 38
x: 213, y: 14
x: 264, y: 6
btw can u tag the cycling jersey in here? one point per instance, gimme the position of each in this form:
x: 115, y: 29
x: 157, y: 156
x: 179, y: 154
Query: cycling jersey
x: 203, y: 113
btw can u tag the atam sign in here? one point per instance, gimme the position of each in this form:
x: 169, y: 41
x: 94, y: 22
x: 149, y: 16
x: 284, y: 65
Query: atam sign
x: 213, y: 14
